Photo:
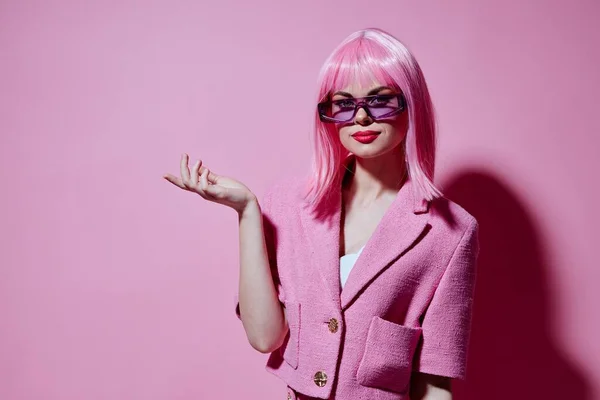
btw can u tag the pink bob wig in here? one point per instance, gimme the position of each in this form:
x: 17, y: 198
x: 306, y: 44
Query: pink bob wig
x: 366, y: 57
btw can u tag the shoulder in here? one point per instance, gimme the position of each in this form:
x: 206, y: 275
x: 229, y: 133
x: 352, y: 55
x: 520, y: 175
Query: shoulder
x: 452, y: 216
x: 285, y: 193
x: 455, y: 232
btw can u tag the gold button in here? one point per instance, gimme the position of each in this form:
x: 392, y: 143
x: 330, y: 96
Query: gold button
x: 333, y: 325
x: 320, y: 378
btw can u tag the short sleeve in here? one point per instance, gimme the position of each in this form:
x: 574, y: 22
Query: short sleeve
x: 447, y: 321
x: 271, y: 243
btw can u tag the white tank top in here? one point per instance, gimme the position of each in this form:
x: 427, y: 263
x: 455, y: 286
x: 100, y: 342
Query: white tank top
x: 347, y: 261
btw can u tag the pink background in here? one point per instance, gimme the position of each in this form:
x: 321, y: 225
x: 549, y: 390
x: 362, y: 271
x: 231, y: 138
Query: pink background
x: 116, y: 285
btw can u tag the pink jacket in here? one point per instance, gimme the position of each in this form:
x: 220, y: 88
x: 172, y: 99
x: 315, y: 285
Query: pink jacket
x: 406, y: 305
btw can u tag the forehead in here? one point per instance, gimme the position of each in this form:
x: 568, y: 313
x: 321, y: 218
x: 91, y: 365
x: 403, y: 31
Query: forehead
x: 358, y: 89
x: 359, y: 81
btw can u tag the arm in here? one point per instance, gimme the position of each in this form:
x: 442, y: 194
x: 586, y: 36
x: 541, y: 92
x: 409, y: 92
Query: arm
x: 430, y: 387
x: 260, y: 310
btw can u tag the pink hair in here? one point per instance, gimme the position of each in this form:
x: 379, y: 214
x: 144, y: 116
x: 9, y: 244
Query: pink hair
x: 364, y: 57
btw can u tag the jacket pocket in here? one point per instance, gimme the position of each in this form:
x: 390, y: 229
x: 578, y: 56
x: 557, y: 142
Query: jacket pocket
x: 291, y: 345
x: 388, y: 356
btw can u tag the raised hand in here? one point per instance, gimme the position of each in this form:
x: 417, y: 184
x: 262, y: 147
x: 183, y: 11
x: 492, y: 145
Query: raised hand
x: 210, y: 186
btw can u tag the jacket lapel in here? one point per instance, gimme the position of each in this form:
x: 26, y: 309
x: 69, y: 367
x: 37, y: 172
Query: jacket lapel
x: 402, y: 224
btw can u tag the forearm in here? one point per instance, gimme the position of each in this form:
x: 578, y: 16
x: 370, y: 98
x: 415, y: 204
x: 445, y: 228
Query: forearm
x: 430, y: 387
x: 261, y: 312
x: 435, y: 394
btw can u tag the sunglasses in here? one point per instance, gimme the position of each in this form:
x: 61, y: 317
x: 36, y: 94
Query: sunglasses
x: 377, y: 107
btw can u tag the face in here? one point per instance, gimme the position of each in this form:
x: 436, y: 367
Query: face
x: 362, y: 135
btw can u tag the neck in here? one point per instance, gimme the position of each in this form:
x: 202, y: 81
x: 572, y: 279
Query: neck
x: 369, y: 179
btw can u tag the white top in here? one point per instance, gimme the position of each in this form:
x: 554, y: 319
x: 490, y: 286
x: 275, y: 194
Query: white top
x: 347, y: 261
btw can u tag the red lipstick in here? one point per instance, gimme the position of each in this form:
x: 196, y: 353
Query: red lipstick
x: 365, y: 136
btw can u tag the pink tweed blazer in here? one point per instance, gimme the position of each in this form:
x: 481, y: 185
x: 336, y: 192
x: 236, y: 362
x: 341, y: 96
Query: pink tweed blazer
x: 406, y: 305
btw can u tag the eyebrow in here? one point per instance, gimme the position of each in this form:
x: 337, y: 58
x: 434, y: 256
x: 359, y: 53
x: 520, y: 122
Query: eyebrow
x: 371, y: 92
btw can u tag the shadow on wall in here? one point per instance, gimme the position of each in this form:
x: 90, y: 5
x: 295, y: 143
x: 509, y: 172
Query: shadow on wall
x: 512, y: 354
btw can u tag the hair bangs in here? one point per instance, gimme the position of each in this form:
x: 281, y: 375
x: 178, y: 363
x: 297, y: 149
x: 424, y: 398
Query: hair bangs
x: 359, y: 62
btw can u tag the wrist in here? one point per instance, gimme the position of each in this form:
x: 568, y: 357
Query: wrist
x: 250, y: 208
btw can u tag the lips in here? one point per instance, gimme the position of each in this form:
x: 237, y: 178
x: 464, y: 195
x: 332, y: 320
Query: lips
x: 365, y: 137
x: 365, y: 133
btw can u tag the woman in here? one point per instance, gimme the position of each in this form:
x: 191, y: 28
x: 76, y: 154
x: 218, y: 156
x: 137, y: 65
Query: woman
x: 358, y: 281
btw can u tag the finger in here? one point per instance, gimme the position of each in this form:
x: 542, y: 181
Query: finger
x: 212, y: 177
x: 201, y: 171
x: 194, y: 176
x: 199, y: 188
x: 185, y: 171
x: 174, y: 180
x: 208, y: 188
x: 203, y: 179
x: 212, y: 190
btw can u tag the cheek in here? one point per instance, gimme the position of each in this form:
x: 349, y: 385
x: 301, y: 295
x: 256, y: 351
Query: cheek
x: 397, y: 129
x: 343, y: 130
x: 393, y: 132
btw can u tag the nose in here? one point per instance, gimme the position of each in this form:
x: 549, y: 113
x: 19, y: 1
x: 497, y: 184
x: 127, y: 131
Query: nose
x: 361, y: 117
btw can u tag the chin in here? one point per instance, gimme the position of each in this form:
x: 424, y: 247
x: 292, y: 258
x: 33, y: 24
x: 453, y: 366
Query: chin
x: 370, y: 150
x: 369, y: 153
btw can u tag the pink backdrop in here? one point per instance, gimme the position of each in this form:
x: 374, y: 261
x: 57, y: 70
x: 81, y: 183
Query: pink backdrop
x: 116, y: 285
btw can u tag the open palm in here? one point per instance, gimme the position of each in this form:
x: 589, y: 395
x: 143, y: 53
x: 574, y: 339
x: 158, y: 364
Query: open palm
x: 217, y: 188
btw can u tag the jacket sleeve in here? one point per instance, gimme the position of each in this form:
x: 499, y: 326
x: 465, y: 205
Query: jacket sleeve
x: 271, y: 243
x: 446, y: 323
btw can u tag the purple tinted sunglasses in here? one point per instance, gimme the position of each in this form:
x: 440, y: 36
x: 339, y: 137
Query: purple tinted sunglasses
x: 379, y: 106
